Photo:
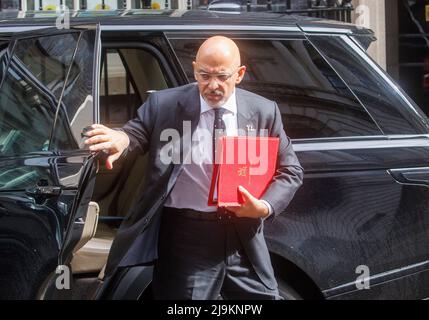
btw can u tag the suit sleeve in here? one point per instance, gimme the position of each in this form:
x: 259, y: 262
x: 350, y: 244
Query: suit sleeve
x: 289, y: 173
x: 140, y: 128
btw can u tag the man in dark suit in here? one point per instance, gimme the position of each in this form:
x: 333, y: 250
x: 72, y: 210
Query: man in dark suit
x: 199, y: 251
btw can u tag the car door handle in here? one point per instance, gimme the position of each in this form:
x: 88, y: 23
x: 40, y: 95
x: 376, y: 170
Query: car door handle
x: 411, y: 176
x: 44, y: 191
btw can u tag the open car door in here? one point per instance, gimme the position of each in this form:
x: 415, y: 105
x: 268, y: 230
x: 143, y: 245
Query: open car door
x: 48, y: 95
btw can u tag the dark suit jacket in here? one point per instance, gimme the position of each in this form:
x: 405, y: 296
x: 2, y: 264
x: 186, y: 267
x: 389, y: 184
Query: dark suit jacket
x: 137, y: 238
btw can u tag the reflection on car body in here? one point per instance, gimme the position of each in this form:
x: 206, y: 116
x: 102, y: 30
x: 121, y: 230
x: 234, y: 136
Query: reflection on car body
x: 224, y: 6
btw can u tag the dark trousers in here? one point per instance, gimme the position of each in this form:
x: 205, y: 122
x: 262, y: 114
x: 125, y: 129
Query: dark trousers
x: 203, y: 259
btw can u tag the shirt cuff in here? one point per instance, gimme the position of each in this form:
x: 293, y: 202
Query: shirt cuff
x: 270, y: 209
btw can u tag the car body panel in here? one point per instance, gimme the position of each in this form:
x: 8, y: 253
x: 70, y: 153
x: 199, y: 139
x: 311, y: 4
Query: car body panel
x: 351, y: 211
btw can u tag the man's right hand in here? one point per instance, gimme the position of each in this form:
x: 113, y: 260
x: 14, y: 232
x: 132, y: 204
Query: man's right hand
x: 113, y: 142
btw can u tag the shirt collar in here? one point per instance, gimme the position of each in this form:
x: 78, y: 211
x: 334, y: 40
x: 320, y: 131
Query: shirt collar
x: 230, y: 104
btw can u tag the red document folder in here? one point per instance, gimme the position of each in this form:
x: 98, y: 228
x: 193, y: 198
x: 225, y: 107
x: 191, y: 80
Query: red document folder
x: 246, y: 161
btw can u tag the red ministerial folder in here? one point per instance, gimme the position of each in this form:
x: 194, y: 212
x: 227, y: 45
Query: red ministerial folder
x: 246, y: 161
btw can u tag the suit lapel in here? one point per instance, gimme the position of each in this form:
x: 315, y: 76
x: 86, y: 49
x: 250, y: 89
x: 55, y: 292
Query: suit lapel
x: 245, y: 111
x: 188, y: 110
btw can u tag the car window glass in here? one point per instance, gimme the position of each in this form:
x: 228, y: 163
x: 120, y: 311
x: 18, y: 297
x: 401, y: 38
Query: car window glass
x: 77, y: 106
x: 118, y: 97
x: 48, y: 59
x: 313, y: 100
x: 128, y: 75
x: 28, y: 100
x: 383, y: 102
x: 32, y: 87
x: 118, y: 81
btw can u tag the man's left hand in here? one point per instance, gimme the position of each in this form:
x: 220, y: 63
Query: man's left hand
x: 251, y: 208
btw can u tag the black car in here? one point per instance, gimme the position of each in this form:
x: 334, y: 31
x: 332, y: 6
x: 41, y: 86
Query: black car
x: 357, y: 229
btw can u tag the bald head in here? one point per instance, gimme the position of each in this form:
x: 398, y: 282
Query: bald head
x: 218, y: 69
x: 219, y: 50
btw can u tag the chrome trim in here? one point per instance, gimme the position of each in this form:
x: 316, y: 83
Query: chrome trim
x: 415, y: 141
x: 400, y: 176
x: 167, y: 28
x: 366, y: 138
x: 407, y: 136
x: 356, y: 42
x: 23, y: 28
x: 381, y: 277
x: 197, y: 27
x: 96, y: 75
x: 410, y: 170
x: 107, y: 27
x: 319, y: 30
x: 348, y: 138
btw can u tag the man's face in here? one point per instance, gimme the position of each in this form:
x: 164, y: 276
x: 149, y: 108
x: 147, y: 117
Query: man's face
x: 216, y: 81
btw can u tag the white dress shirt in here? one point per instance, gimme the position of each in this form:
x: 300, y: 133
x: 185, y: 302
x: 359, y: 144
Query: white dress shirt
x: 193, y: 184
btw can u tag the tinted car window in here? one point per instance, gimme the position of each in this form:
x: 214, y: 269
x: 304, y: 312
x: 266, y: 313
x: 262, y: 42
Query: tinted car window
x: 392, y: 112
x: 119, y: 97
x: 34, y: 85
x: 77, y: 104
x: 313, y: 100
x: 128, y: 75
x: 27, y: 111
x: 48, y: 59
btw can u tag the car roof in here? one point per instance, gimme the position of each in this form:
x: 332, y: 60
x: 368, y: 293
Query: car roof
x: 182, y: 18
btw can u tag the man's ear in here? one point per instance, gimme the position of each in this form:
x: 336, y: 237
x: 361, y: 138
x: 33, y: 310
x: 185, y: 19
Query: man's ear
x: 194, y: 66
x: 241, y: 71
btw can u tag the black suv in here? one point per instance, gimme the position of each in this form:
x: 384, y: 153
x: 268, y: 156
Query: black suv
x: 357, y: 228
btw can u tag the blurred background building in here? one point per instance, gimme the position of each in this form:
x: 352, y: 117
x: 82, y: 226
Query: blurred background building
x: 401, y: 26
